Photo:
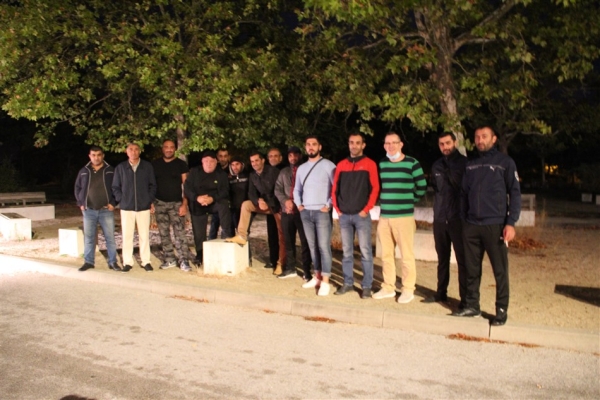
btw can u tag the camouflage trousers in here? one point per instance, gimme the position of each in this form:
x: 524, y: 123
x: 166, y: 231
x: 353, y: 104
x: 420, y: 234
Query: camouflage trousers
x: 167, y: 216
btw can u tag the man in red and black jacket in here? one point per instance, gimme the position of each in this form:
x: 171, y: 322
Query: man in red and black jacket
x: 354, y: 193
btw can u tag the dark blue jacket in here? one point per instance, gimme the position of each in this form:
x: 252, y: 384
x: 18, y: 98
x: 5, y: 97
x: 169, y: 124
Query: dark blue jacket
x: 491, y: 190
x: 134, y: 191
x: 446, y: 180
x: 82, y: 183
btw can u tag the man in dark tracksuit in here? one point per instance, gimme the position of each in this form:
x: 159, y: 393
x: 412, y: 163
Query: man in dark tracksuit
x: 290, y: 218
x: 207, y: 190
x: 446, y: 179
x: 238, y: 190
x: 354, y: 193
x: 490, y: 207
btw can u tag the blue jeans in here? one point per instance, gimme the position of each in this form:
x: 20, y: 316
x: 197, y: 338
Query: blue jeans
x: 317, y: 228
x: 106, y: 219
x: 349, y: 223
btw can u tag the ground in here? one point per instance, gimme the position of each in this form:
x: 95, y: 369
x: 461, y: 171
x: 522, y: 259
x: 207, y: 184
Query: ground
x: 554, y: 275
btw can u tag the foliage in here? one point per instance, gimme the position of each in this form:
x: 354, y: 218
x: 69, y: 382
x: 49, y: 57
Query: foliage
x: 589, y: 175
x: 9, y: 177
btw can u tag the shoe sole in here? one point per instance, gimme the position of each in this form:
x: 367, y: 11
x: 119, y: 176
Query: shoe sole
x: 288, y: 276
x: 405, y: 301
x: 387, y: 296
x: 167, y: 267
x: 311, y: 286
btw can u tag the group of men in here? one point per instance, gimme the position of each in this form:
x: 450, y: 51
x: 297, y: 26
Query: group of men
x: 477, y: 203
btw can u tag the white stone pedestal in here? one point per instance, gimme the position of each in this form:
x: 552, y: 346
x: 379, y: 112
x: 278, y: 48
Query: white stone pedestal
x: 14, y: 226
x: 224, y: 258
x: 70, y: 242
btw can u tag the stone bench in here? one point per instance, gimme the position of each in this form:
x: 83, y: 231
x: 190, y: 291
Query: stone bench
x: 14, y: 226
x: 22, y: 198
x: 224, y: 258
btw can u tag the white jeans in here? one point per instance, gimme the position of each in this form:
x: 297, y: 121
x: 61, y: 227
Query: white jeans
x: 129, y: 220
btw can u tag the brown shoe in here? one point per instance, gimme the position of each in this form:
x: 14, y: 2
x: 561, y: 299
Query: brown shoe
x: 237, y: 239
x: 278, y: 270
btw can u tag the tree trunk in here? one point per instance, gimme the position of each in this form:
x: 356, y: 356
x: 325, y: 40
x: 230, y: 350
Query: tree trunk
x: 180, y: 135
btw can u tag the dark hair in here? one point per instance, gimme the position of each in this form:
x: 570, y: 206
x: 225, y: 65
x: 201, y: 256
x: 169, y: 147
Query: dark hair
x: 393, y: 133
x: 358, y: 133
x: 444, y: 134
x: 257, y: 153
x: 96, y: 148
x: 169, y: 140
x: 312, y: 137
x: 487, y: 127
x: 223, y: 149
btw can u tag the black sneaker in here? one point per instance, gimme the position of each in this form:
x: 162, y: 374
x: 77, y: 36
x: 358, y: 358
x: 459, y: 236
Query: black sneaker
x: 126, y: 268
x: 287, y: 274
x: 115, y: 267
x: 366, y: 293
x: 148, y: 268
x: 85, y: 267
x: 344, y: 289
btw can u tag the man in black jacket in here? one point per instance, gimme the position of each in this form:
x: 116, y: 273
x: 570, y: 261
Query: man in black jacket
x: 262, y: 200
x: 93, y: 192
x: 238, y: 189
x: 490, y: 207
x: 446, y: 179
x: 134, y: 187
x: 207, y: 190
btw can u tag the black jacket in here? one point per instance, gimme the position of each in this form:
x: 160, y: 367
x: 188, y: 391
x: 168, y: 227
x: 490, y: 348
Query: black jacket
x: 263, y: 186
x: 446, y: 179
x: 199, y: 183
x: 82, y: 183
x: 491, y: 191
x: 238, y: 188
x: 134, y: 191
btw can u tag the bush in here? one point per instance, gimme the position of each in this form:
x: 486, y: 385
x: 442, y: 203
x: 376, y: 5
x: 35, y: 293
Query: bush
x: 10, y: 180
x: 589, y: 175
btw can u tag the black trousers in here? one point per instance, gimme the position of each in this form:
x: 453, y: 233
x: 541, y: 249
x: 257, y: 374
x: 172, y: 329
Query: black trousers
x: 479, y: 239
x: 448, y: 235
x: 199, y: 223
x: 292, y: 223
x: 273, y: 239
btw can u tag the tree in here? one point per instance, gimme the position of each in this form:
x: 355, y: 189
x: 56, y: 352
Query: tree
x: 141, y: 70
x: 436, y: 62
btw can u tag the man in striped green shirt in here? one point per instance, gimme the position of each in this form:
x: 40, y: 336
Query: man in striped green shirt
x: 402, y: 185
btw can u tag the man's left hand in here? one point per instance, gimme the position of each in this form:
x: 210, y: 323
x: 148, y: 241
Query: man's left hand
x: 182, y: 210
x: 509, y: 233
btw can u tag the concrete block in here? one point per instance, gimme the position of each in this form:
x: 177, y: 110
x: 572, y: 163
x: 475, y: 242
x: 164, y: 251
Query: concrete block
x: 14, y: 226
x: 70, y: 242
x: 527, y: 218
x: 35, y: 212
x: 586, y: 197
x: 424, y: 248
x: 435, y: 324
x: 224, y: 258
x: 338, y: 313
x: 560, y: 338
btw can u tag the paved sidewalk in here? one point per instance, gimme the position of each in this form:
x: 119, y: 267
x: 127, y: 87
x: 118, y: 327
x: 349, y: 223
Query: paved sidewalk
x: 342, y: 308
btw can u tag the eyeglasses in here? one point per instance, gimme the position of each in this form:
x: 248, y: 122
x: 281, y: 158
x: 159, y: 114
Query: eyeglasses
x: 390, y: 143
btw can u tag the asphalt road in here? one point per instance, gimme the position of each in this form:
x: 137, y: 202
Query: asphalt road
x: 61, y: 337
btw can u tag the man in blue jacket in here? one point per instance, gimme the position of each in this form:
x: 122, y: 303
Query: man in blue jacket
x: 490, y: 207
x: 134, y: 187
x: 93, y: 192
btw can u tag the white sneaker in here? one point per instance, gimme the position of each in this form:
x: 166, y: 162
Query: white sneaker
x: 314, y: 282
x: 406, y: 297
x: 384, y: 294
x: 324, y: 289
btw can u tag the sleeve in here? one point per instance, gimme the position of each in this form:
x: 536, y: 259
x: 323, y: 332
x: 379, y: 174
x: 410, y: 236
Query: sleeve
x: 151, y: 183
x: 110, y: 175
x: 331, y: 175
x: 420, y: 181
x: 335, y: 188
x: 78, y: 189
x: 298, y: 189
x: 374, y: 180
x: 280, y: 193
x: 252, y: 191
x: 116, y: 184
x: 513, y: 188
x: 464, y: 198
x: 188, y: 187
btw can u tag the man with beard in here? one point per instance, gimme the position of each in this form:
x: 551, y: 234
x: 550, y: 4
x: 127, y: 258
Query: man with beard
x: 223, y: 159
x: 354, y: 193
x: 93, y: 192
x: 170, y: 206
x: 261, y: 200
x: 275, y: 160
x: 290, y: 217
x: 207, y: 191
x: 312, y: 196
x: 402, y: 185
x: 490, y: 207
x: 446, y: 178
x: 134, y: 187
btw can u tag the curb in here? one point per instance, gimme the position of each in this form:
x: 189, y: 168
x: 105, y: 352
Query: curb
x: 479, y: 328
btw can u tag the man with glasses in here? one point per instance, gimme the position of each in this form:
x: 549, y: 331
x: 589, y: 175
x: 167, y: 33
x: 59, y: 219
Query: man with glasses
x: 402, y: 185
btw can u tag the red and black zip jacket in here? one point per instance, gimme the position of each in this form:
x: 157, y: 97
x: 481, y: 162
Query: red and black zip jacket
x: 355, y: 185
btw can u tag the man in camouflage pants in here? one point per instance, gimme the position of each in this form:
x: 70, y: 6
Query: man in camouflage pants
x: 170, y: 206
